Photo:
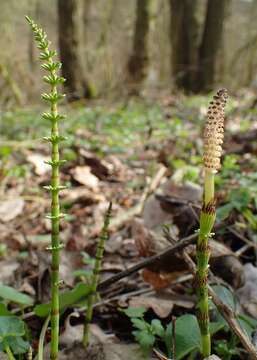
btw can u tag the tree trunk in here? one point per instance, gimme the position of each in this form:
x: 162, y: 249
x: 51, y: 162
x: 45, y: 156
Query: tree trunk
x: 87, y: 4
x: 68, y: 23
x: 183, y: 37
x: 138, y: 62
x: 211, y: 42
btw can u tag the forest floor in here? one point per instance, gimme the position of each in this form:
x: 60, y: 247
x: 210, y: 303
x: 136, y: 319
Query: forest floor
x: 145, y: 157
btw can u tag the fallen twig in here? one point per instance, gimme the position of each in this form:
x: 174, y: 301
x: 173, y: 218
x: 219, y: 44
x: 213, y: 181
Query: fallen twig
x: 149, y: 261
x: 225, y: 310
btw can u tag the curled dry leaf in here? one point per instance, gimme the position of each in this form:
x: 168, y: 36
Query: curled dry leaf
x: 10, y: 209
x: 153, y: 214
x: 161, y: 307
x: 84, y: 176
x: 160, y: 279
x: 81, y: 195
x: 38, y: 161
x: 99, y: 167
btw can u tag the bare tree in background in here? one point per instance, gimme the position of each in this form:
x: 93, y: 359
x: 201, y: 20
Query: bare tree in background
x: 86, y: 7
x: 193, y: 59
x: 138, y: 61
x: 211, y: 43
x: 183, y: 37
x: 76, y: 84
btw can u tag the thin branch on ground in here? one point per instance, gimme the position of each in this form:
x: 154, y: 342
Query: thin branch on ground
x: 149, y: 261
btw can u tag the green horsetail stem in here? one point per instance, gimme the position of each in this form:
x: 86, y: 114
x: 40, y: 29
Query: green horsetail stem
x: 213, y: 139
x: 53, y: 97
x: 96, y: 272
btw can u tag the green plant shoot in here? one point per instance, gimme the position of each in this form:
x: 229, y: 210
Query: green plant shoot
x: 213, y: 139
x: 53, y: 97
x: 95, y: 275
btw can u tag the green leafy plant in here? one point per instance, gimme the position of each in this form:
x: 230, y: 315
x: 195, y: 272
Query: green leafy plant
x: 147, y: 334
x: 187, y: 333
x: 243, y: 199
x: 213, y: 138
x: 53, y: 97
x: 188, y: 338
x: 12, y: 331
x: 226, y: 349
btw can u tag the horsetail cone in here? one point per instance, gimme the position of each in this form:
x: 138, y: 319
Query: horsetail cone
x: 214, y: 131
x: 213, y: 139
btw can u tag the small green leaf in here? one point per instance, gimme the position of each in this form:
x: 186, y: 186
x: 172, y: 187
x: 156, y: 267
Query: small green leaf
x: 145, y: 339
x: 134, y: 312
x: 224, y: 211
x: 216, y: 326
x: 18, y: 345
x: 85, y: 273
x: 157, y: 328
x: 188, y: 337
x: 9, y: 293
x: 225, y: 295
x: 67, y: 298
x: 139, y: 323
x: 3, y: 310
x: 11, y: 326
x: 247, y: 323
x: 168, y: 339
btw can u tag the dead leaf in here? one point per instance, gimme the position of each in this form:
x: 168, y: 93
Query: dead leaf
x: 84, y: 176
x: 153, y: 214
x: 8, y: 268
x: 10, y: 209
x: 38, y: 161
x: 161, y: 307
x: 99, y: 167
x: 81, y: 195
x: 159, y: 280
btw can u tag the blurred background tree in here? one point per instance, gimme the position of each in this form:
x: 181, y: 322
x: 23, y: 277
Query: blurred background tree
x: 76, y: 84
x: 139, y: 59
x: 183, y: 36
x: 105, y: 45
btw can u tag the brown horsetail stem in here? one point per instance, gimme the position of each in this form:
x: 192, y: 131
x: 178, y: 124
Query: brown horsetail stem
x: 213, y: 139
x: 53, y: 97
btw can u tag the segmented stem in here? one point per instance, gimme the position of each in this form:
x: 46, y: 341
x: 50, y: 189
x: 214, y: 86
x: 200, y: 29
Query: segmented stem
x: 207, y: 219
x: 53, y: 97
x: 95, y: 277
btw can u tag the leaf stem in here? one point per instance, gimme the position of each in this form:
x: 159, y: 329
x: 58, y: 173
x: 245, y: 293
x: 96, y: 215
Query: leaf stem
x: 9, y: 352
x: 40, y: 355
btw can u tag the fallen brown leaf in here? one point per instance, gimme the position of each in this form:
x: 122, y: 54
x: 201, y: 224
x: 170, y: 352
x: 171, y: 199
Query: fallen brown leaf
x: 84, y: 176
x: 10, y: 209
